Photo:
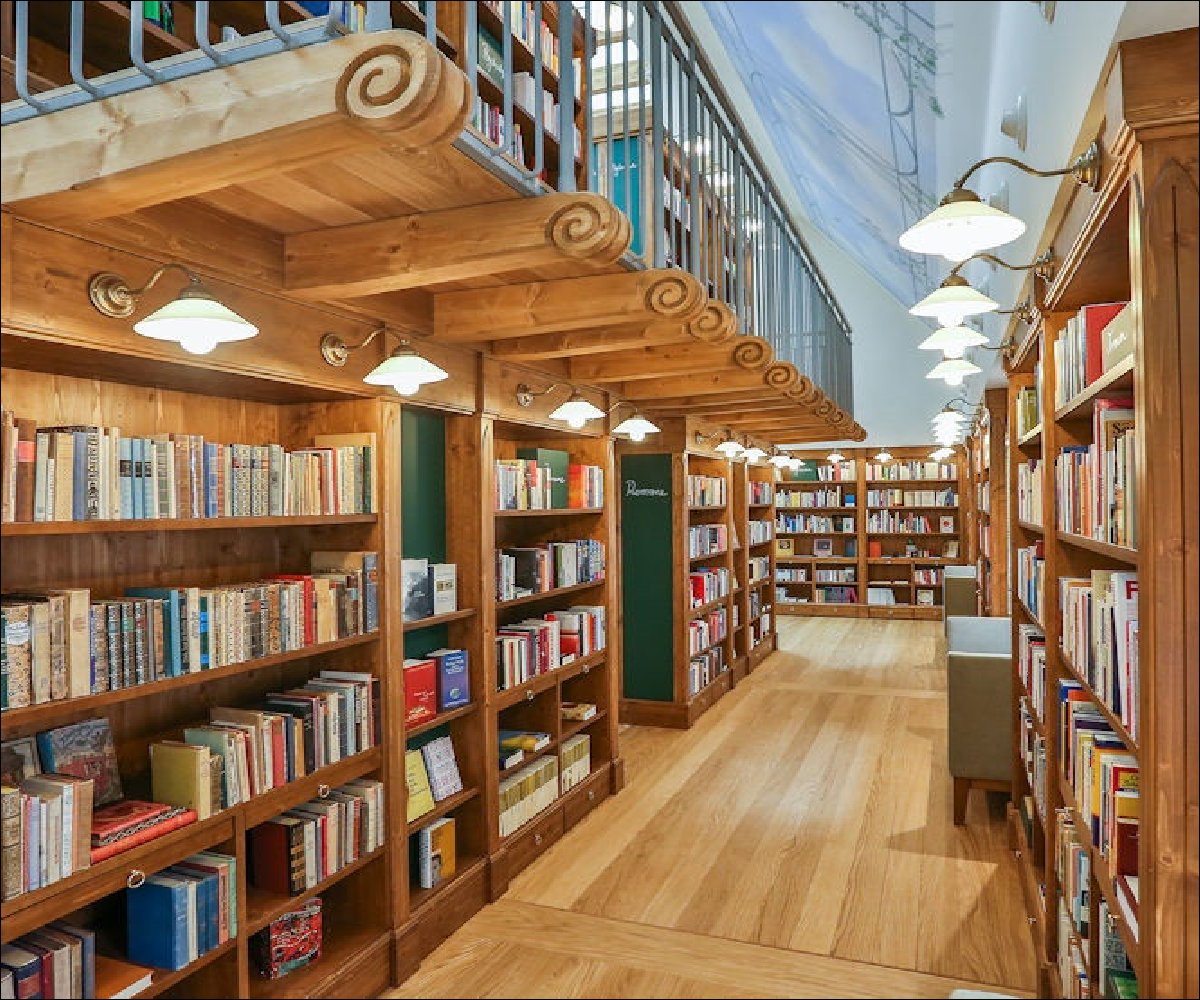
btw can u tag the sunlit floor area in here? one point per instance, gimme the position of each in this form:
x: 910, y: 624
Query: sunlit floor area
x: 797, y: 842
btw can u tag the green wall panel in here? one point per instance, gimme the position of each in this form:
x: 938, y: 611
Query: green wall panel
x: 648, y: 597
x: 423, y: 506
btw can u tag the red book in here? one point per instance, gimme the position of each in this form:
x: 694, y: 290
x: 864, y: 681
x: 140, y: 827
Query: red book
x: 1094, y: 319
x: 575, y: 486
x: 1125, y: 851
x: 120, y: 818
x: 143, y: 835
x: 875, y: 549
x: 420, y: 690
x: 279, y: 751
x: 310, y: 603
x: 272, y: 846
x: 26, y: 462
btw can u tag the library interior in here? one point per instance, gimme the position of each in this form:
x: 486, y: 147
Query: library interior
x: 599, y: 498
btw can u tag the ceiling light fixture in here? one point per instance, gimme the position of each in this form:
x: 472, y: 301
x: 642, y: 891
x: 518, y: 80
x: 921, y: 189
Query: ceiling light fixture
x: 836, y: 456
x: 194, y: 319
x: 963, y: 225
x: 952, y: 341
x: 780, y: 460
x: 884, y: 456
x: 404, y: 369
x: 727, y: 444
x: 753, y: 453
x: 635, y: 427
x: 940, y: 453
x: 954, y: 300
x: 575, y: 412
x: 952, y: 371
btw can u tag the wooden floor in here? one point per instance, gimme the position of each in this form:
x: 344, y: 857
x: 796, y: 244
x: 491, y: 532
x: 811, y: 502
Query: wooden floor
x: 796, y: 843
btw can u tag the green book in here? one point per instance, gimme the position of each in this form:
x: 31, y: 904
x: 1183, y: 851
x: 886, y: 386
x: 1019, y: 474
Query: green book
x: 557, y: 462
x: 1122, y: 985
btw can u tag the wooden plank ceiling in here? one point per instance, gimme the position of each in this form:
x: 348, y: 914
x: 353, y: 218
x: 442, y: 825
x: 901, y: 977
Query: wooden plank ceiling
x: 328, y: 176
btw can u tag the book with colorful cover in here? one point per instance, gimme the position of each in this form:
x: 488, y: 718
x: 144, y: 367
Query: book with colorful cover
x: 420, y: 796
x: 290, y: 942
x: 84, y: 750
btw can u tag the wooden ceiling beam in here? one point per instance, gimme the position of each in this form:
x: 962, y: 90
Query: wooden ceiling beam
x: 773, y: 379
x: 500, y: 312
x: 232, y: 125
x: 454, y: 245
x: 716, y: 404
x: 741, y: 353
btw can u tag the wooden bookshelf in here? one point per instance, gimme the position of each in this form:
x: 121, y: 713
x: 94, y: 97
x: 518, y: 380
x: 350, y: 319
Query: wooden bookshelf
x: 988, y: 492
x: 756, y: 635
x: 1126, y: 242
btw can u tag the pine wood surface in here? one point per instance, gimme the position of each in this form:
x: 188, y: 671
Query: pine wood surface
x: 796, y: 842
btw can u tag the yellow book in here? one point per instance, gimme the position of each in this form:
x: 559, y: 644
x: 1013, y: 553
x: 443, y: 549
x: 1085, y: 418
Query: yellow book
x: 420, y: 796
x: 441, y: 837
x: 180, y: 775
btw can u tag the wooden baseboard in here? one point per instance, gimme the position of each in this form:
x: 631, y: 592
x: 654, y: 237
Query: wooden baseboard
x: 447, y: 912
x: 821, y: 610
x: 663, y: 714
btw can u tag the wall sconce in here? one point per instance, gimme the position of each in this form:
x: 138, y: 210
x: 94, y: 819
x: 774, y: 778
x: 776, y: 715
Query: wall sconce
x: 780, y: 460
x: 754, y: 453
x: 954, y: 300
x: 884, y: 456
x: 635, y: 427
x: 194, y: 319
x: 953, y: 370
x: 404, y: 369
x: 952, y: 341
x: 963, y: 225
x: 835, y: 457
x: 575, y: 412
x: 728, y: 445
x: 941, y: 453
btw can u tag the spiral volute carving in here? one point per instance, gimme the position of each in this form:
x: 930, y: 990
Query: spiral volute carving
x: 781, y: 375
x: 715, y: 325
x: 825, y: 408
x: 674, y: 295
x: 589, y: 227
x: 753, y: 353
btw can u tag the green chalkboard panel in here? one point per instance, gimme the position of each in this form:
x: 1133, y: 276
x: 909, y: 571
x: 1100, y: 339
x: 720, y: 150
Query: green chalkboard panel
x: 648, y: 586
x: 423, y: 505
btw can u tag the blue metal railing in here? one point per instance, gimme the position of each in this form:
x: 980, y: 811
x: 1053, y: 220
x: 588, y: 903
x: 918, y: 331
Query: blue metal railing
x: 609, y: 96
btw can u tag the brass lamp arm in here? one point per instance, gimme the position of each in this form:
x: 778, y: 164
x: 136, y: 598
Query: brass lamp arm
x: 154, y: 278
x: 1042, y: 265
x: 1085, y: 168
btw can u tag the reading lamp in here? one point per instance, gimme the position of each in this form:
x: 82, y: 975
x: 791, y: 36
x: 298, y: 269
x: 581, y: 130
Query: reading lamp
x: 727, y: 446
x: 575, y: 412
x: 194, y: 319
x: 404, y: 369
x: 884, y: 456
x: 636, y: 426
x: 963, y: 225
x: 954, y: 300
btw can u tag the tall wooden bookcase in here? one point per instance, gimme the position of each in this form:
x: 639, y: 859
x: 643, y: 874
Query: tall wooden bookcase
x: 754, y: 632
x: 894, y: 567
x: 1135, y: 239
x: 988, y: 474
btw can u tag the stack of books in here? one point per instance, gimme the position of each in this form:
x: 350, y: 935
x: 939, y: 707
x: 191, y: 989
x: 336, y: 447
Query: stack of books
x: 708, y: 585
x: 1080, y: 357
x: 575, y: 760
x: 1029, y: 491
x: 1095, y: 485
x: 707, y: 540
x: 527, y: 793
x: 45, y: 830
x: 706, y: 491
x: 525, y: 570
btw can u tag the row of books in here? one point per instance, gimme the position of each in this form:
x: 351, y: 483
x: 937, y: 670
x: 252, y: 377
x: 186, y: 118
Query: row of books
x: 707, y: 540
x: 535, y: 646
x: 429, y: 588
x: 1031, y: 576
x: 759, y: 601
x: 434, y: 683
x: 1033, y: 754
x: 927, y: 577
x: 492, y: 124
x: 913, y: 498
x: 1103, y: 777
x: 832, y: 496
x: 1027, y: 407
x: 182, y: 912
x: 760, y: 628
x: 61, y: 644
x: 803, y: 524
x: 841, y: 574
x: 530, y: 29
x: 759, y: 492
x: 886, y: 521
x: 525, y: 570
x: 822, y: 548
x: 45, y: 829
x: 708, y: 585
x: 431, y: 775
x: 1031, y: 667
x: 704, y: 668
x: 1072, y: 864
x: 835, y: 595
x: 1091, y: 343
x: 60, y: 960
x: 1029, y: 491
x: 575, y: 761
x: 242, y: 753
x: 983, y: 497
x: 1096, y: 484
x: 707, y: 491
x: 909, y: 469
x: 759, y: 568
x: 707, y: 630
x: 790, y: 574
x: 546, y: 479
x: 527, y: 793
x: 82, y: 472
x: 834, y: 472
x: 760, y: 531
x: 299, y: 849
x: 1100, y: 638
x: 518, y: 744
x: 537, y: 102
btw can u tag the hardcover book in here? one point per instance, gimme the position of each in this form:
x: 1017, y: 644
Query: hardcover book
x: 453, y: 680
x: 420, y: 798
x: 290, y: 942
x: 557, y: 462
x: 443, y: 587
x: 442, y: 768
x: 414, y: 582
x: 420, y: 690
x: 85, y: 750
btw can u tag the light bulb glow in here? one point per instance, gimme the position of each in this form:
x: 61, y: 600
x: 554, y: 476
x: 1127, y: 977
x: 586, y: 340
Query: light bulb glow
x: 753, y: 454
x: 196, y: 321
x: 198, y: 342
x: 952, y: 341
x: 884, y: 456
x: 780, y: 461
x: 637, y: 427
x: 405, y: 371
x: 637, y: 436
x: 730, y: 448
x: 953, y: 302
x: 953, y: 370
x: 836, y: 456
x: 795, y: 463
x: 940, y: 453
x: 961, y: 227
x: 576, y: 411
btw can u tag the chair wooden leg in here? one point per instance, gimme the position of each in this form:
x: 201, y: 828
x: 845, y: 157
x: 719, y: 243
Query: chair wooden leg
x: 962, y: 788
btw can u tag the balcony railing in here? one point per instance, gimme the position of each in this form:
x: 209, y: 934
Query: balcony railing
x: 610, y: 96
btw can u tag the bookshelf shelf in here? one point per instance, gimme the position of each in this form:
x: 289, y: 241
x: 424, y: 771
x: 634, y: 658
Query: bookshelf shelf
x: 441, y: 719
x: 264, y: 907
x: 419, y: 900
x: 850, y: 509
x: 704, y: 609
x: 345, y: 944
x: 40, y: 528
x: 759, y: 545
x: 761, y: 506
x: 1037, y: 529
x: 164, y: 980
x: 440, y: 809
x: 433, y: 621
x: 553, y: 512
x: 1031, y: 437
x: 548, y: 595
x: 1118, y: 726
x: 915, y: 506
x: 921, y: 534
x: 708, y: 688
x: 1117, y: 382
x: 267, y: 805
x: 1028, y: 612
x: 756, y: 584
x: 1119, y: 553
x: 693, y: 508
x: 912, y: 482
x: 48, y: 712
x: 710, y: 555
x: 530, y: 689
x: 578, y: 726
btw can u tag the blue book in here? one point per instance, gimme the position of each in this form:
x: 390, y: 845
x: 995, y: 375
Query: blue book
x: 125, y: 466
x: 79, y: 476
x: 158, y: 921
x: 207, y: 931
x: 135, y: 477
x: 210, y: 479
x: 149, y: 496
x: 172, y: 636
x: 205, y: 642
x: 454, y: 688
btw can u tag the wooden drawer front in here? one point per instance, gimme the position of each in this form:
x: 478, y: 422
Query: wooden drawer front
x: 525, y: 847
x: 366, y: 974
x: 585, y: 797
x: 704, y: 701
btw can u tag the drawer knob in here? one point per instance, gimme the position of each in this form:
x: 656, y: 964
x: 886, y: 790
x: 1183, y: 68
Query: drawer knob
x: 1018, y: 854
x: 529, y: 696
x: 587, y: 668
x: 136, y: 879
x: 1032, y: 921
x: 537, y: 840
x: 323, y: 791
x: 592, y: 795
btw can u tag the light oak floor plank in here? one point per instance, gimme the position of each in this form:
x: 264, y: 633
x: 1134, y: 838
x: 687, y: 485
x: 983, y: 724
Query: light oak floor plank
x: 797, y: 841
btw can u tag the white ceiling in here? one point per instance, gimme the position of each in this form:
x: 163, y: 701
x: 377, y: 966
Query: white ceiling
x: 988, y: 53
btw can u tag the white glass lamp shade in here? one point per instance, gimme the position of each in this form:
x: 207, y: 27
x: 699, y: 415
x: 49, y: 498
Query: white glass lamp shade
x: 576, y: 411
x: 953, y: 302
x: 780, y: 461
x: 947, y: 418
x: 952, y: 341
x: 952, y: 371
x: 836, y: 456
x: 730, y: 448
x: 753, y: 454
x: 941, y: 453
x: 405, y: 371
x: 960, y: 227
x: 637, y: 427
x: 795, y: 463
x: 196, y: 321
x: 884, y: 456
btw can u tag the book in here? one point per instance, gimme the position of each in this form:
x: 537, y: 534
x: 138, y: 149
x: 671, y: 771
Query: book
x: 1118, y: 338
x: 19, y: 760
x: 417, y: 600
x: 121, y: 826
x: 277, y: 856
x: 578, y: 711
x: 289, y: 942
x: 530, y: 742
x: 420, y: 690
x: 160, y: 916
x: 436, y: 855
x: 822, y: 548
x: 443, y: 588
x: 420, y: 796
x: 85, y: 750
x: 180, y: 775
x: 557, y: 466
x: 441, y: 768
x: 453, y: 679
x: 117, y: 980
